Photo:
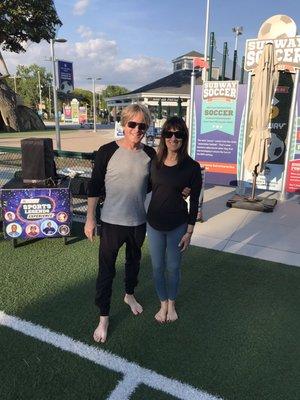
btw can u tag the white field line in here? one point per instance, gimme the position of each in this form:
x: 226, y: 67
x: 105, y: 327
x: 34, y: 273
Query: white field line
x: 133, y: 373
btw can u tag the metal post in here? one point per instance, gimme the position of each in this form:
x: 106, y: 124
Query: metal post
x: 289, y: 135
x: 191, y: 116
x: 206, y: 39
x: 234, y: 64
x: 15, y: 83
x: 242, y: 70
x: 94, y: 104
x: 57, y: 127
x: 211, y: 54
x: 241, y: 185
x: 224, y: 61
x: 39, y: 83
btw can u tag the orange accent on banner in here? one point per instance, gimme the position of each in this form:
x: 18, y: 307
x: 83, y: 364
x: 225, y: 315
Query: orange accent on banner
x: 221, y: 168
x: 298, y: 135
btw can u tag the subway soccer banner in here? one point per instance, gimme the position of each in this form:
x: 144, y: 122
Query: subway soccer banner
x: 218, y: 111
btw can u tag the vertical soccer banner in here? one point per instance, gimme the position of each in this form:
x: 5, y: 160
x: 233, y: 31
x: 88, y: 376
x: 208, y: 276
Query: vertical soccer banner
x: 75, y: 111
x: 83, y: 118
x: 65, y: 76
x: 293, y: 172
x: 68, y: 113
x: 219, y: 107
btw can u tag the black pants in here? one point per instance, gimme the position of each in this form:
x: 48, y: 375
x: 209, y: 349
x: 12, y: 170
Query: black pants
x: 112, y: 237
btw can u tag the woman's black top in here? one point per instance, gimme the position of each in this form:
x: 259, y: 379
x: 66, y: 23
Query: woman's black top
x: 168, y: 209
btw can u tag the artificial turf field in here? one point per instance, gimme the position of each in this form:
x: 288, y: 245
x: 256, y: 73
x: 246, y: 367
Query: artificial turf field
x: 237, y: 336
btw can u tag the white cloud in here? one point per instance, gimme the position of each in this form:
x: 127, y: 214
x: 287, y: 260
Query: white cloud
x: 85, y: 32
x: 96, y: 57
x: 80, y: 7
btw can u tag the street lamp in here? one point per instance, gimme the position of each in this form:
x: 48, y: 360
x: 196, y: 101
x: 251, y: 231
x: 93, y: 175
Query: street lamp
x: 238, y: 30
x: 94, y: 99
x: 54, y: 81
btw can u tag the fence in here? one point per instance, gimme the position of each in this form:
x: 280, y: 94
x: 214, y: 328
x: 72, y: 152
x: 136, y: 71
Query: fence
x: 67, y: 163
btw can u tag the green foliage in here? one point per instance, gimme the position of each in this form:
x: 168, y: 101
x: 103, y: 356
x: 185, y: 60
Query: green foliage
x: 28, y: 86
x: 25, y: 20
x: 84, y: 96
x: 111, y: 91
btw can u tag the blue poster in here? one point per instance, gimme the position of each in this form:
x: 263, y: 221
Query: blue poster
x: 65, y: 76
x: 36, y: 212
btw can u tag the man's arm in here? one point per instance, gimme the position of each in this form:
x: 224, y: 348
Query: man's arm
x: 90, y: 224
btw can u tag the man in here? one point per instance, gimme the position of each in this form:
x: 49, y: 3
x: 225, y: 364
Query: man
x: 122, y: 169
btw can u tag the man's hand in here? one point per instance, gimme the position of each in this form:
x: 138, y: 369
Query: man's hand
x: 89, y: 228
x: 186, y: 192
x: 185, y: 241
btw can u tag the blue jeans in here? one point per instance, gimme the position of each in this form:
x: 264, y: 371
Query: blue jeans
x: 166, y: 259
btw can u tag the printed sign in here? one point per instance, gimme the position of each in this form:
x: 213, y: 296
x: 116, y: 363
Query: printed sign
x: 287, y: 51
x: 75, y: 111
x: 65, y: 76
x: 36, y: 213
x: 68, y: 113
x: 219, y: 106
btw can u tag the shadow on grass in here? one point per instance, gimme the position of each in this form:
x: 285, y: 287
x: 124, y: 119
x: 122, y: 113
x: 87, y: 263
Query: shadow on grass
x: 237, y: 335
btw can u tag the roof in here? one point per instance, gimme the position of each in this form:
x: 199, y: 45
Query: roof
x: 178, y: 83
x: 192, y: 53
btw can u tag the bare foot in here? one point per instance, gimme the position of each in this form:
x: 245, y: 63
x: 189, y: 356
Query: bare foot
x: 100, y: 333
x: 136, y: 308
x: 161, y: 316
x: 172, y: 314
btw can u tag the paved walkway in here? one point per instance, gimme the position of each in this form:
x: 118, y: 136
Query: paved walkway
x: 269, y: 236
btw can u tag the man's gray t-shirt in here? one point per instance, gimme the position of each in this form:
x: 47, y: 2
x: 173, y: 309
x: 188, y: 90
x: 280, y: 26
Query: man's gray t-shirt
x: 124, y: 174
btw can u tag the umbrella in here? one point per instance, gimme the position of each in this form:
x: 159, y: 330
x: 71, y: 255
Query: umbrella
x: 179, y: 108
x: 264, y: 84
x: 159, y: 110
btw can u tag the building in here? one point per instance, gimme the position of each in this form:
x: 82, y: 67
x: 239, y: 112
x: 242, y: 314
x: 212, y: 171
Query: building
x: 167, y: 89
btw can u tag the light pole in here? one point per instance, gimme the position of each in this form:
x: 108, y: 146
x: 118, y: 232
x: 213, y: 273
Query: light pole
x: 238, y: 30
x: 57, y: 127
x: 206, y: 39
x: 94, y: 99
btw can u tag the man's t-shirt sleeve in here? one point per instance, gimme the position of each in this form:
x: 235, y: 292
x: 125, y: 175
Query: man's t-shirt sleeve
x: 103, y: 155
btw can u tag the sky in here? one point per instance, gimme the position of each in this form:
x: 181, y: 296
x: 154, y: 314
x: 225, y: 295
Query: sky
x: 133, y: 42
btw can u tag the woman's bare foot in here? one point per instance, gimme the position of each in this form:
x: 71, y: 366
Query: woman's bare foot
x: 172, y: 314
x: 100, y: 333
x: 136, y: 308
x: 161, y: 316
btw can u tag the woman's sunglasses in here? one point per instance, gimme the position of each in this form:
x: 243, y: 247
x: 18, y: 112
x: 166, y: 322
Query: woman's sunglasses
x: 141, y: 126
x: 177, y: 134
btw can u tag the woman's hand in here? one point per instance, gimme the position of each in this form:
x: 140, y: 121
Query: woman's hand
x: 89, y: 228
x: 185, y: 241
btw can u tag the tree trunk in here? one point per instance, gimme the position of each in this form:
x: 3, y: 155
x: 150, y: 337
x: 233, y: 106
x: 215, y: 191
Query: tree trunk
x: 8, y: 107
x: 14, y: 117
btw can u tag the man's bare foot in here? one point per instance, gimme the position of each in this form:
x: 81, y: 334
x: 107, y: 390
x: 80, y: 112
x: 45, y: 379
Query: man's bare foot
x: 100, y: 333
x: 136, y: 308
x: 172, y: 314
x: 161, y: 316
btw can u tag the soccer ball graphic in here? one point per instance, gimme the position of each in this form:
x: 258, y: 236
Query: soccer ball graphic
x: 66, y: 87
x: 277, y: 27
x: 276, y: 148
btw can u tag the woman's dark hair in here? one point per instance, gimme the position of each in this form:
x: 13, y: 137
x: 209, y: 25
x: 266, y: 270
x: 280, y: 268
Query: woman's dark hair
x: 178, y: 124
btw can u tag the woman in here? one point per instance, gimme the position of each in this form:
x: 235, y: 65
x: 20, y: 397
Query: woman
x: 169, y: 223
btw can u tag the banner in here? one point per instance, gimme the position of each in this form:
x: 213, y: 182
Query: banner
x: 271, y: 177
x: 75, y: 111
x: 293, y: 172
x: 217, y: 126
x: 83, y: 118
x: 36, y: 213
x: 65, y: 76
x: 68, y: 113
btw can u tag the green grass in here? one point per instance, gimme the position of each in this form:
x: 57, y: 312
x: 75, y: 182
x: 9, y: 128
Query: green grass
x: 237, y: 336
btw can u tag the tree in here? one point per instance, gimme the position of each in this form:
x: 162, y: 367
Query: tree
x: 111, y: 91
x: 20, y: 22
